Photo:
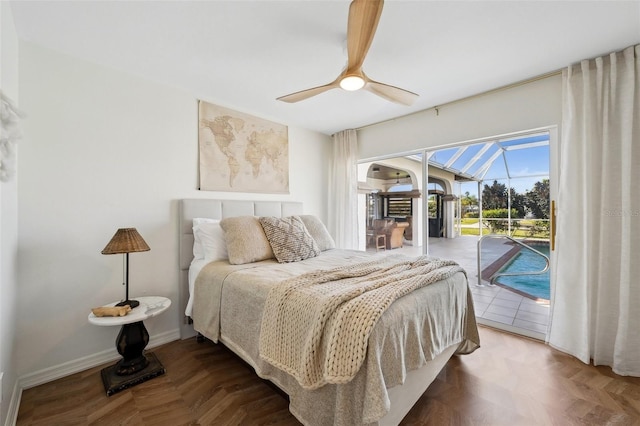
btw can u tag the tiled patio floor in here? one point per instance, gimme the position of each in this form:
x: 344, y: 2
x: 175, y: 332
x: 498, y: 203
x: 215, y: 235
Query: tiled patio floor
x: 519, y: 314
x: 495, y: 305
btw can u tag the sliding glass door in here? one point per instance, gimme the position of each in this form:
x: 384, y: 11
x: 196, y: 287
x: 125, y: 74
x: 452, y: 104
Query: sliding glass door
x: 452, y: 197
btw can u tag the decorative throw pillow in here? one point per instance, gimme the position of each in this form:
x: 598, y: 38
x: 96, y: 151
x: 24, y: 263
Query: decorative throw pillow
x: 246, y: 241
x: 319, y: 232
x: 289, y: 238
x: 211, y: 237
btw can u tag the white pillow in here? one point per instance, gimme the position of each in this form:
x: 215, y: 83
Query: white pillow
x: 198, y: 252
x: 211, y: 236
x: 319, y: 232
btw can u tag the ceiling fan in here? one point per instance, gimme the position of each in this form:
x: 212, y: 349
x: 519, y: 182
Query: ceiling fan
x: 363, y: 21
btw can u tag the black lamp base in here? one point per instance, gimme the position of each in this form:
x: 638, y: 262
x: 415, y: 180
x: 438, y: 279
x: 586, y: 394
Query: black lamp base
x: 135, y: 366
x: 132, y: 303
x: 114, y: 382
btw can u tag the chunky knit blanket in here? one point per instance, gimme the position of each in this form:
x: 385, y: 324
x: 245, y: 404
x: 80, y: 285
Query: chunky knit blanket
x: 316, y: 326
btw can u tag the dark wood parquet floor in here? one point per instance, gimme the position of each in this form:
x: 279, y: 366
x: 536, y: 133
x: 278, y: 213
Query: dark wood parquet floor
x: 510, y: 380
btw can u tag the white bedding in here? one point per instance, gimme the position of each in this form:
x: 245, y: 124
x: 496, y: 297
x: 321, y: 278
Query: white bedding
x: 194, y: 269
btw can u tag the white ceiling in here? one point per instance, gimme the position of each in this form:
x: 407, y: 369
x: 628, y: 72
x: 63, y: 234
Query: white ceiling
x: 244, y: 54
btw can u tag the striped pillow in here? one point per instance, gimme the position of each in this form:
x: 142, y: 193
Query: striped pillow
x: 289, y: 238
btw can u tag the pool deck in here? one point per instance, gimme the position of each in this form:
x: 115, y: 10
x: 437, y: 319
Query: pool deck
x: 495, y: 305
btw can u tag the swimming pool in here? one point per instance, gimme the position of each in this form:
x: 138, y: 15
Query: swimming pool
x: 527, y: 261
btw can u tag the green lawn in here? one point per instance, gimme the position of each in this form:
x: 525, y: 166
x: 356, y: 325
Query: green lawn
x: 518, y: 233
x: 468, y: 221
x: 474, y: 231
x: 523, y: 230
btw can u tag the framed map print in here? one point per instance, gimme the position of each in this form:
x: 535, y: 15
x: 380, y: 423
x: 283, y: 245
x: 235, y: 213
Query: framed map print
x: 242, y: 153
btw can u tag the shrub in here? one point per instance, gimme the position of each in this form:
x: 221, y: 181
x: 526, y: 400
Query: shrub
x: 540, y: 228
x: 497, y: 219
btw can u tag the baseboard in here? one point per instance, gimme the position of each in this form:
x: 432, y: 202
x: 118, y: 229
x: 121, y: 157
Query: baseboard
x: 68, y: 368
x: 14, y: 405
x: 50, y: 374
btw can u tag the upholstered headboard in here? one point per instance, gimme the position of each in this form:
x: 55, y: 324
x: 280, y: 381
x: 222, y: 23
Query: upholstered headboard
x: 217, y: 209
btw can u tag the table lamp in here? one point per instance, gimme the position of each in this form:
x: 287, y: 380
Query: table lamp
x: 125, y: 241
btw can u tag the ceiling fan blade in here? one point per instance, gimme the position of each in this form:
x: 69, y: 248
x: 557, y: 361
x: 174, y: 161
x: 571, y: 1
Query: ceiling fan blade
x: 363, y: 21
x: 305, y: 94
x: 391, y: 93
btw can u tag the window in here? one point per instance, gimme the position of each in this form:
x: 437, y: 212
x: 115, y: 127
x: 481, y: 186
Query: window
x: 399, y: 206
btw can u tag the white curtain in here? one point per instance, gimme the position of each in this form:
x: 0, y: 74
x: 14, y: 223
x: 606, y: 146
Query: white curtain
x: 596, y: 309
x: 343, y: 190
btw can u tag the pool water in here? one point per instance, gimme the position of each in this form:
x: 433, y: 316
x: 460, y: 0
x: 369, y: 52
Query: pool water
x: 527, y: 261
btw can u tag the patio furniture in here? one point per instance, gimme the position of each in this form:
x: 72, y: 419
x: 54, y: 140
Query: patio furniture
x: 379, y: 241
x: 394, y: 231
x: 408, y: 232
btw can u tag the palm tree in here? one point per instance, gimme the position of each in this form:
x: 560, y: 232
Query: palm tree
x: 469, y: 202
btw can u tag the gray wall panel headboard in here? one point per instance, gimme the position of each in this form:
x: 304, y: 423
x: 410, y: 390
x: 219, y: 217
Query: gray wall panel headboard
x: 217, y: 209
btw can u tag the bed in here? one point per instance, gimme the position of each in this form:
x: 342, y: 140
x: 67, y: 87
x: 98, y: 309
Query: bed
x: 404, y: 351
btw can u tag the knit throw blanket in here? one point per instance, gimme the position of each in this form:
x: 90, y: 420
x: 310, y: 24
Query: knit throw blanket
x: 316, y: 326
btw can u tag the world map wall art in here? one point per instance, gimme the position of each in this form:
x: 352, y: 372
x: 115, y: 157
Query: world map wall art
x: 241, y: 153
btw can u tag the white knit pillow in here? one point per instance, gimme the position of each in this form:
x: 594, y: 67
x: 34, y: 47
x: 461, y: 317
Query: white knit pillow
x: 289, y: 238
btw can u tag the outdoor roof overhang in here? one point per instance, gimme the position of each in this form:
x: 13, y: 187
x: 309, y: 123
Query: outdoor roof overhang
x: 484, y: 155
x: 401, y: 194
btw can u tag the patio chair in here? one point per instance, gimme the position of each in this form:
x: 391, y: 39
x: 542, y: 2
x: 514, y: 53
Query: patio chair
x: 394, y: 231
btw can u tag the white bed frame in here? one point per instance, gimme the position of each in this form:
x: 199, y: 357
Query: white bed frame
x: 403, y: 397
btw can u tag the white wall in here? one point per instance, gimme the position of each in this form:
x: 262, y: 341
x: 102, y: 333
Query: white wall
x: 525, y: 107
x: 104, y: 150
x: 8, y: 220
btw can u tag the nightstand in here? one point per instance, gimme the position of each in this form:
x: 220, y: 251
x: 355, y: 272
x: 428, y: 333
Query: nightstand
x: 135, y: 366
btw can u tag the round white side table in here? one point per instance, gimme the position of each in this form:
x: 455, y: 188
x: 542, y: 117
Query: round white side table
x: 135, y: 366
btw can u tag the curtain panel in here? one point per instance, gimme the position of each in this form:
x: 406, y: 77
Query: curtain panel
x: 596, y: 302
x: 343, y: 190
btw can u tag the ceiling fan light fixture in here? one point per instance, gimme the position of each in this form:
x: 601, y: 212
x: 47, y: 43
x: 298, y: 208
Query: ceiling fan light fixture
x: 352, y: 82
x: 361, y: 27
